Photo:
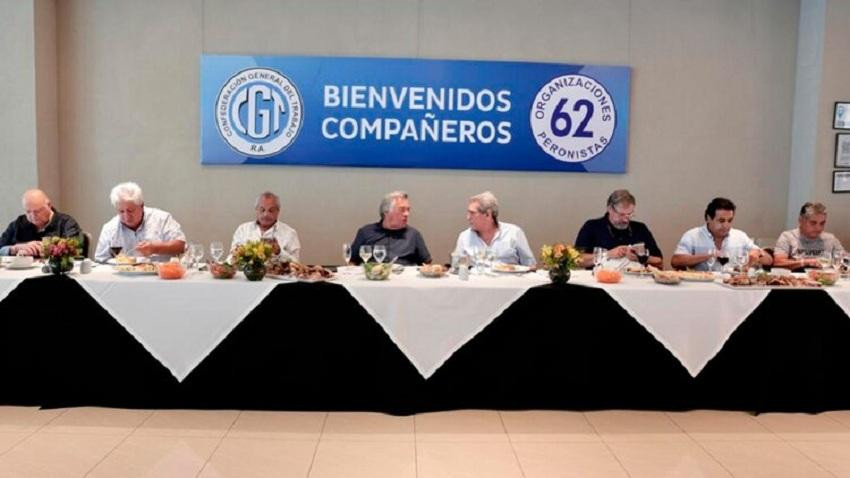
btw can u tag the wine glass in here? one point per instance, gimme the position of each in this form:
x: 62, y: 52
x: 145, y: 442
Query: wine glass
x: 712, y: 258
x: 379, y: 252
x: 837, y: 260
x: 346, y: 253
x: 600, y: 255
x: 722, y: 259
x: 365, y: 253
x: 480, y: 254
x: 115, y: 250
x: 742, y: 258
x: 489, y: 258
x: 642, y: 256
x: 216, y: 250
x: 197, y: 252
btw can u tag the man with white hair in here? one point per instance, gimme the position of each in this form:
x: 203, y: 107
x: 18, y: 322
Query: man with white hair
x: 402, y: 241
x: 267, y: 227
x: 506, y: 241
x: 137, y: 229
x: 24, y: 234
x: 800, y: 247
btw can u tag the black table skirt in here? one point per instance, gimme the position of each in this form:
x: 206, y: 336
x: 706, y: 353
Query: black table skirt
x: 312, y: 347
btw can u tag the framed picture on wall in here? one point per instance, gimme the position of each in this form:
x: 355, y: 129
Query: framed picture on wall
x: 841, y: 119
x: 842, y: 150
x: 841, y: 181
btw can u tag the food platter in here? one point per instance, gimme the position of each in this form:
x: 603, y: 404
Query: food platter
x: 636, y: 271
x: 769, y: 281
x: 697, y: 276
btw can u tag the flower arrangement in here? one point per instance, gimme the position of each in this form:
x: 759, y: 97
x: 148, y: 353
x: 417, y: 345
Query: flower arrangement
x: 60, y: 253
x: 559, y: 259
x: 251, y: 257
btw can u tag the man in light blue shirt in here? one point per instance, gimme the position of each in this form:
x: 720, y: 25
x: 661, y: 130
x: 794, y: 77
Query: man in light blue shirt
x: 698, y: 246
x: 506, y: 241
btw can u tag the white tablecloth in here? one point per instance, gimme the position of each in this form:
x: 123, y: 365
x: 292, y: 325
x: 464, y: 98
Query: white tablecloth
x: 431, y: 318
x: 8, y: 282
x: 692, y: 320
x: 179, y: 322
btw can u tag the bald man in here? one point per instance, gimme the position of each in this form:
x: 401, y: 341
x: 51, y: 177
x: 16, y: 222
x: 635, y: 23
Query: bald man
x: 24, y: 234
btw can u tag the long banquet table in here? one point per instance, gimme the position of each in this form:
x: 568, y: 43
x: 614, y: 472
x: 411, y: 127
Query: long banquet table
x: 413, y: 344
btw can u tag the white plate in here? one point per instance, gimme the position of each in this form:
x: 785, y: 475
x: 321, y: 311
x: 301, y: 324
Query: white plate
x: 510, y: 268
x: 281, y: 278
x: 136, y: 273
x: 21, y: 268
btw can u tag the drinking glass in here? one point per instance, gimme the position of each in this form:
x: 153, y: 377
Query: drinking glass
x: 216, y: 250
x: 379, y: 252
x: 742, y: 258
x: 722, y: 258
x: 197, y: 252
x: 825, y: 260
x: 600, y: 255
x: 489, y: 258
x: 480, y: 254
x: 712, y: 258
x: 365, y: 253
x: 346, y: 253
x: 642, y: 256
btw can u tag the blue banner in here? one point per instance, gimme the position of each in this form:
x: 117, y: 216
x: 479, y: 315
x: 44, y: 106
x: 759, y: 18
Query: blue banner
x: 411, y: 113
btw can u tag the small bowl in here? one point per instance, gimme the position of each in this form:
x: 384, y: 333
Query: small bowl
x: 222, y: 270
x: 376, y: 271
x: 432, y: 270
x: 171, y: 270
x: 824, y: 276
x: 608, y: 276
x: 20, y: 262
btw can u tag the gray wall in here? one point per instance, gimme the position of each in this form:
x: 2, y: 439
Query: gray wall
x: 835, y: 86
x: 712, y: 96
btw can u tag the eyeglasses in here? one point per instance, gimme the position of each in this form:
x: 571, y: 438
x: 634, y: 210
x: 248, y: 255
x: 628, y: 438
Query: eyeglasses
x: 623, y: 215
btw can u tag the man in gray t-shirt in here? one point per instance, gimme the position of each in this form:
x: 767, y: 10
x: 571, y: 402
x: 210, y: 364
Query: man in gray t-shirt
x: 800, y: 247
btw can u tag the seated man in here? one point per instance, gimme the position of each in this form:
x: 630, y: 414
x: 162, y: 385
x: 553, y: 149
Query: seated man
x: 506, y: 241
x: 284, y: 239
x: 799, y: 248
x: 138, y: 229
x: 403, y: 242
x: 24, y: 234
x: 616, y: 232
x: 703, y: 243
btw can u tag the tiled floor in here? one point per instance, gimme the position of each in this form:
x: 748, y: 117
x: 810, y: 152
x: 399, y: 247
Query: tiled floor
x: 103, y: 442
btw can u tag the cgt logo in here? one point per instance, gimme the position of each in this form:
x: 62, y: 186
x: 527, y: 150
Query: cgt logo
x: 259, y: 112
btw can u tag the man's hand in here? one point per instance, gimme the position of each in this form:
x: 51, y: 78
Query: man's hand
x: 619, y: 251
x: 32, y: 248
x: 145, y: 248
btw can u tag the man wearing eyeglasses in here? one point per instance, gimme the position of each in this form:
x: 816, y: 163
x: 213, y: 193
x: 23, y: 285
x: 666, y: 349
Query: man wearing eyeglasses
x: 24, y: 234
x: 616, y: 232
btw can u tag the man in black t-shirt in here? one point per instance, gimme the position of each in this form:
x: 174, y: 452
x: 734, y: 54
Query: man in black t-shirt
x: 24, y: 234
x: 403, y: 242
x: 616, y: 232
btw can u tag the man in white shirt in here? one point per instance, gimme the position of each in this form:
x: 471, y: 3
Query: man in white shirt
x: 283, y: 238
x: 506, y: 241
x: 138, y: 230
x: 717, y: 236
